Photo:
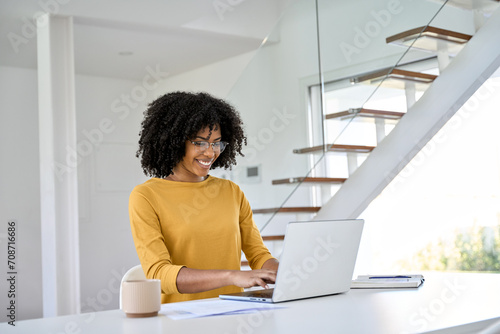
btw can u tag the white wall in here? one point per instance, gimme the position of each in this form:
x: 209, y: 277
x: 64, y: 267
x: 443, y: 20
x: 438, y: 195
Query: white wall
x: 20, y: 189
x: 272, y: 99
x: 107, y: 173
x: 217, y: 79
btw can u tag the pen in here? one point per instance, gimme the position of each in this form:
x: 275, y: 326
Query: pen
x: 381, y: 277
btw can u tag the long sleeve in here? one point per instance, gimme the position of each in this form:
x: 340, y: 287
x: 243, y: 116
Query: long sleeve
x: 150, y: 244
x: 251, y: 240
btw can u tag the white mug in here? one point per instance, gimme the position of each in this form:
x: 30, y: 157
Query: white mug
x: 141, y: 298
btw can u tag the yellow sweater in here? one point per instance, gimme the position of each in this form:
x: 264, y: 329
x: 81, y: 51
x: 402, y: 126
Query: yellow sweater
x: 200, y: 225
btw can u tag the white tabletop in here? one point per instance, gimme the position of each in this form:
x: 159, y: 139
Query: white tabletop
x: 443, y: 301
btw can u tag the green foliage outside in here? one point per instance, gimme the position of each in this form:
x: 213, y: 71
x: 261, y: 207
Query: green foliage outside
x: 474, y: 249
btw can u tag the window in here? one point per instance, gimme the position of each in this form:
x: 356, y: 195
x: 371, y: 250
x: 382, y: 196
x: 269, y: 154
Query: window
x: 442, y: 211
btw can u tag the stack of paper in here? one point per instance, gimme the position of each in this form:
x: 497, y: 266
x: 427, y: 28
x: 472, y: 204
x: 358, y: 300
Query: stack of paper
x: 387, y: 281
x: 211, y: 307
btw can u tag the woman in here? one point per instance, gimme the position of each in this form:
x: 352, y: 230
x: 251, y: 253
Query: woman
x: 189, y: 228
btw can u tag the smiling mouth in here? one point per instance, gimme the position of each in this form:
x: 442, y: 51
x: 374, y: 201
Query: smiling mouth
x: 204, y: 163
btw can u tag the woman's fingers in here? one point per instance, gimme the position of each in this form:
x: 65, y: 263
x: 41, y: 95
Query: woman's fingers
x: 261, y: 277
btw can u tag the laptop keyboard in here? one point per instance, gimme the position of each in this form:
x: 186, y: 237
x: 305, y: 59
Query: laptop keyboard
x: 267, y: 293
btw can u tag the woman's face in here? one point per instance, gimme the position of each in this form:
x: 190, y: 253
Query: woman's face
x: 196, y: 163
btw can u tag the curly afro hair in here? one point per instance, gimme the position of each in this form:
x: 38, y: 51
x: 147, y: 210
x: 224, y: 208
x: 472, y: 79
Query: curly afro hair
x: 176, y: 117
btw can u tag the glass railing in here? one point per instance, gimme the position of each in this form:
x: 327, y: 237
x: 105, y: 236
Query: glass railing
x: 271, y: 95
x: 321, y: 92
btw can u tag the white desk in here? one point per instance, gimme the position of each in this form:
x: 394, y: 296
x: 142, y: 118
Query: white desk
x: 470, y: 301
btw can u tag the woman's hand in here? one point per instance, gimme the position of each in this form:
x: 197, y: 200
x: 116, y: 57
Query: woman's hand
x: 198, y: 280
x: 250, y: 278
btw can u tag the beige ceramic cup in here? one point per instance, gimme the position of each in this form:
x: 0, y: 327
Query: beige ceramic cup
x: 141, y: 298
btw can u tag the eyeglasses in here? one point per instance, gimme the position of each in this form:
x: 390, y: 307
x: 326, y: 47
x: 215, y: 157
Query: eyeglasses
x: 201, y: 146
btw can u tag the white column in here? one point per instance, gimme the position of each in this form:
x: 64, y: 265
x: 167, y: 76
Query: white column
x: 58, y: 175
x: 380, y: 129
x: 326, y: 193
x: 443, y: 59
x: 352, y: 162
x: 411, y: 94
x: 443, y: 56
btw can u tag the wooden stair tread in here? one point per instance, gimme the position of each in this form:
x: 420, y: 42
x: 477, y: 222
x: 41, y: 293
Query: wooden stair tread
x: 428, y: 31
x: 336, y: 148
x: 363, y: 112
x: 430, y: 39
x: 293, y: 180
x: 305, y: 209
x: 273, y: 237
x: 397, y: 74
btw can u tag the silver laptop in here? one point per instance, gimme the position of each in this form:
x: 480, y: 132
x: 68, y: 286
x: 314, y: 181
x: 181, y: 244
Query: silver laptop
x: 318, y: 259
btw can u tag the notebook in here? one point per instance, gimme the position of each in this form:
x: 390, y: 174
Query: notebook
x: 387, y: 281
x: 318, y: 259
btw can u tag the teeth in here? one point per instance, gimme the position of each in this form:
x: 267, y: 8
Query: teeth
x: 205, y: 163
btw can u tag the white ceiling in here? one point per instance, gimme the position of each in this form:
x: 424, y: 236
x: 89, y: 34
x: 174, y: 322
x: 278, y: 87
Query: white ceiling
x: 176, y: 35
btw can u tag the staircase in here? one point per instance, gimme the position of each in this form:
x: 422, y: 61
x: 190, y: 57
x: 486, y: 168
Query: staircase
x: 445, y: 46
